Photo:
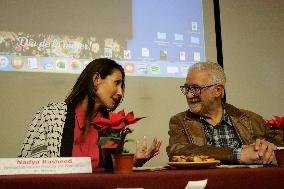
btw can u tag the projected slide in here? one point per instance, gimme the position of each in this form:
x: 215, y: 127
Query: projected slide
x: 158, y: 38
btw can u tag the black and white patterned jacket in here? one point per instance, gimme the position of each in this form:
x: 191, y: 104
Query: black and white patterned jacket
x: 44, y: 135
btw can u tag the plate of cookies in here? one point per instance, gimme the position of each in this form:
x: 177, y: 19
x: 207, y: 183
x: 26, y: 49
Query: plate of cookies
x: 193, y: 161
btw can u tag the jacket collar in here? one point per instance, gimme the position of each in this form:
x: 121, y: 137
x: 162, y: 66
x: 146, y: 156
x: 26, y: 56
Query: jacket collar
x: 230, y: 109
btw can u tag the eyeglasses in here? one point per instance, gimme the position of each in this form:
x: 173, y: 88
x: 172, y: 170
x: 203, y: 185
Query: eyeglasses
x: 195, y: 90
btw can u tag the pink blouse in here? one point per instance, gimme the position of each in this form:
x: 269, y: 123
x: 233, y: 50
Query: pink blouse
x: 88, y: 146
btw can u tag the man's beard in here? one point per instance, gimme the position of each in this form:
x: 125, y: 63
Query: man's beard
x: 199, y: 107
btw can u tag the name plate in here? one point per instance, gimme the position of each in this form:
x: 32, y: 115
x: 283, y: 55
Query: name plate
x: 18, y: 166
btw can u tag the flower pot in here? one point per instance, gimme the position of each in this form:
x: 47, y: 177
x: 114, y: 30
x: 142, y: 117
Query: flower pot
x: 123, y: 163
x: 279, y: 154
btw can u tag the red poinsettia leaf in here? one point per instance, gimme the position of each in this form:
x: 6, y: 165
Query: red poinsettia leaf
x: 121, y: 112
x: 116, y: 121
x: 102, y: 128
x: 121, y: 125
x: 269, y: 122
x: 130, y: 118
x: 277, y: 123
x: 279, y: 120
x: 102, y: 122
x: 115, y: 118
x: 135, y: 120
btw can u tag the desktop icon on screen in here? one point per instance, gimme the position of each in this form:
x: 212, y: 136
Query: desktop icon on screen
x: 163, y: 55
x: 129, y: 68
x: 142, y: 68
x: 182, y: 55
x: 127, y: 54
x: 161, y: 35
x: 172, y: 69
x: 75, y: 65
x: 4, y: 62
x: 194, y: 40
x: 196, y: 56
x: 32, y: 63
x: 194, y: 26
x: 178, y: 37
x: 18, y: 62
x: 47, y: 63
x: 155, y: 69
x: 145, y: 52
x: 61, y: 64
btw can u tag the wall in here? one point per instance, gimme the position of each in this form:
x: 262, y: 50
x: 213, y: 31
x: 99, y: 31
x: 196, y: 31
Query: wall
x: 253, y: 46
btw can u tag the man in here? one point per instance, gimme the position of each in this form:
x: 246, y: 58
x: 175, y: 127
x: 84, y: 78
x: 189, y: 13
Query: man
x: 220, y: 130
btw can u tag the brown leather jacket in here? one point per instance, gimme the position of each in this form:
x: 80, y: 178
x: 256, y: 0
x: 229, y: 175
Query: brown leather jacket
x: 187, y: 133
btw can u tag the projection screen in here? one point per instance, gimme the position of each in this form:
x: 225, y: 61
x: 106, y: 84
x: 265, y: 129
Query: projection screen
x: 157, y: 38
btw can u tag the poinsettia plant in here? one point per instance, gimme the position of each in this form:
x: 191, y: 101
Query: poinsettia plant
x: 277, y: 123
x: 115, y: 128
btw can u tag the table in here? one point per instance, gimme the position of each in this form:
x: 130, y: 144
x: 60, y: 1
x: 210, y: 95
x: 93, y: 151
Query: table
x: 236, y: 178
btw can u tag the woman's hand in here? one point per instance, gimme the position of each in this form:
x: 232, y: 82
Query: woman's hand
x: 143, y: 154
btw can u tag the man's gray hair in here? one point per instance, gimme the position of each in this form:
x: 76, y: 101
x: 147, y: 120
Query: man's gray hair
x: 215, y: 72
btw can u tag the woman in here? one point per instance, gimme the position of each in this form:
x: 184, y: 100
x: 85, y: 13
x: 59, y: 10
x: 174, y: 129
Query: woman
x: 65, y: 129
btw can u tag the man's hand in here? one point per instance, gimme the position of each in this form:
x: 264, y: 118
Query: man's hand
x: 261, y: 151
x: 265, y: 150
x: 249, y: 154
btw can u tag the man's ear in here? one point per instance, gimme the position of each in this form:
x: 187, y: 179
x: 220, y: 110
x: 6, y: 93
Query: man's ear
x: 219, y: 90
x: 97, y: 79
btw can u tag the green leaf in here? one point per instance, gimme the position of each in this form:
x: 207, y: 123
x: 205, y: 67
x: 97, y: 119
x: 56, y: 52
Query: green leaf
x: 103, y: 141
